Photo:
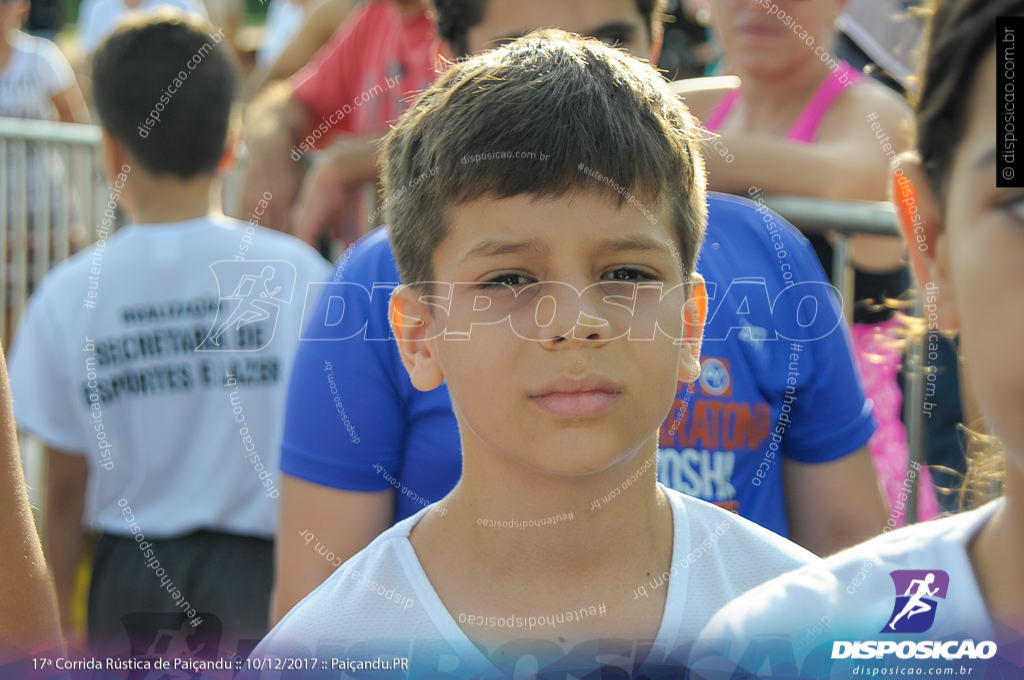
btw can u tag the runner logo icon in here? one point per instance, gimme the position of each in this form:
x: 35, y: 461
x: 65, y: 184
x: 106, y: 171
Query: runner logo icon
x: 916, y: 590
x: 251, y: 295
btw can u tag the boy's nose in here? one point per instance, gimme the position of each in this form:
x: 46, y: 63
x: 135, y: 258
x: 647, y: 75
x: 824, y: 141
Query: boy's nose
x: 577, y: 321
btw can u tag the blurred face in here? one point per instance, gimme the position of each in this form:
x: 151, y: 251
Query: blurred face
x: 12, y: 14
x: 773, y: 36
x: 982, y: 249
x: 539, y: 375
x: 616, y: 22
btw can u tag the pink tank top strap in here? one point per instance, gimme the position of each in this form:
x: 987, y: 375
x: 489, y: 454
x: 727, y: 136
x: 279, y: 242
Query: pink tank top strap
x: 714, y: 120
x: 805, y: 129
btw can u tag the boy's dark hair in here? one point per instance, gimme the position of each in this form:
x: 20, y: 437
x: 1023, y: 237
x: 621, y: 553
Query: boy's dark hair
x: 169, y: 124
x: 456, y: 17
x: 587, y: 118
x: 962, y: 32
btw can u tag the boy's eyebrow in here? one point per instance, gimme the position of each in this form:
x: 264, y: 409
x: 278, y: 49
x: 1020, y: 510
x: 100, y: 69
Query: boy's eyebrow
x: 632, y: 242
x: 492, y: 248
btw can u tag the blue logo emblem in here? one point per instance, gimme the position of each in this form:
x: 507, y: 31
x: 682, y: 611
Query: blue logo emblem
x: 916, y: 590
x: 714, y: 377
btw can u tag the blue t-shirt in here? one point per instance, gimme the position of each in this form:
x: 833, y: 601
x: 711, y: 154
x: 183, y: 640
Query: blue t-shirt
x: 356, y: 422
x: 777, y: 374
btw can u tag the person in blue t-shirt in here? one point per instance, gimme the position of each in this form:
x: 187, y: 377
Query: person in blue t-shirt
x: 363, y: 448
x: 778, y: 393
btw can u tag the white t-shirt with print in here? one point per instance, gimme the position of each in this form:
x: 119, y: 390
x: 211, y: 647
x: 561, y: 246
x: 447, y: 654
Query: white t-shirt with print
x: 163, y: 355
x: 794, y: 621
x: 381, y: 602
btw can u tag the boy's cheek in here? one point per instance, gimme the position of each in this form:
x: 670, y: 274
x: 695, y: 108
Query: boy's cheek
x: 471, y: 307
x: 644, y: 312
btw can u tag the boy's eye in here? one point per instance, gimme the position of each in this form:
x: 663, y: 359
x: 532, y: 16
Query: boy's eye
x: 505, y: 279
x: 626, y: 274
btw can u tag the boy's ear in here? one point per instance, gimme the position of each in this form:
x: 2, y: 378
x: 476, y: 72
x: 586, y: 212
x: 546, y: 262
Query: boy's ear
x: 115, y: 156
x: 413, y: 326
x: 657, y: 42
x: 231, y: 146
x: 920, y: 221
x: 695, y: 314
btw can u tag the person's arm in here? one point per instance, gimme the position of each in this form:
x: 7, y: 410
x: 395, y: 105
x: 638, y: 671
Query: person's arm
x: 29, y: 623
x: 330, y: 185
x: 317, y: 29
x: 70, y: 105
x: 852, y: 166
x: 346, y: 426
x: 849, y: 163
x: 833, y: 505
x: 281, y: 121
x: 66, y: 476
x: 274, y: 123
x: 316, y: 521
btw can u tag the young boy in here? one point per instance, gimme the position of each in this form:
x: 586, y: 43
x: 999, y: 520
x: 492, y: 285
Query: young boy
x: 497, y: 221
x: 154, y: 364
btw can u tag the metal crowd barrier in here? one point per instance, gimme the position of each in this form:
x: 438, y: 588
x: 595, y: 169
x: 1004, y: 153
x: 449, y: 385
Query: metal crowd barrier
x: 51, y: 199
x: 75, y: 192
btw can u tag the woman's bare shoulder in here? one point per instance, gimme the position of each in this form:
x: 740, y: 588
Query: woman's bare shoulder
x: 865, y: 104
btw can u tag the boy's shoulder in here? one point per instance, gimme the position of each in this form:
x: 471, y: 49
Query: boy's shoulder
x: 233, y: 239
x: 379, y: 593
x: 711, y: 526
x: 911, y: 546
x: 851, y: 589
x: 270, y: 237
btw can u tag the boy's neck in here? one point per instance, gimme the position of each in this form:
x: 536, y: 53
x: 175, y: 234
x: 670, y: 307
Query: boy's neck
x: 159, y: 201
x: 583, y: 525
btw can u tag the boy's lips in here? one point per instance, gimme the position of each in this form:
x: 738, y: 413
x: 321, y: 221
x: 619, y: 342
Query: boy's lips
x: 755, y: 30
x: 585, y: 397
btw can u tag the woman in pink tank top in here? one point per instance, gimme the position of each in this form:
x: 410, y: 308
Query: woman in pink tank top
x: 802, y: 122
